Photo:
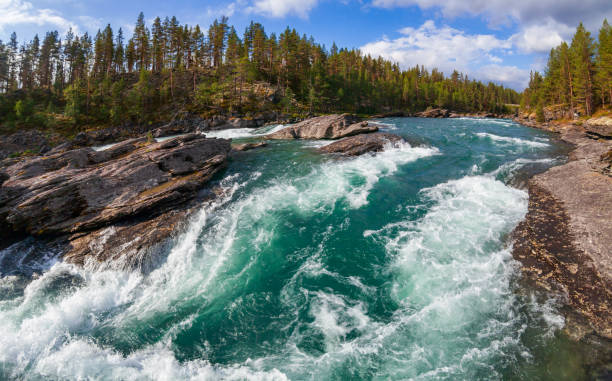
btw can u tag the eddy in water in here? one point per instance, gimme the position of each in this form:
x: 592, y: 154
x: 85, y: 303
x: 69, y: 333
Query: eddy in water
x: 392, y: 265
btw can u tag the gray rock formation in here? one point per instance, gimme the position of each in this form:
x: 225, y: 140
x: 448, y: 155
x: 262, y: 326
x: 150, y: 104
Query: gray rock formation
x: 248, y: 146
x: 334, y: 126
x: 566, y: 239
x: 360, y: 144
x: 79, y: 191
x: 599, y: 127
x: 434, y: 113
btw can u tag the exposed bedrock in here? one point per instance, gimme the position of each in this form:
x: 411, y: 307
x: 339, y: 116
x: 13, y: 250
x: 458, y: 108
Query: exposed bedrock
x: 565, y: 241
x: 75, y: 193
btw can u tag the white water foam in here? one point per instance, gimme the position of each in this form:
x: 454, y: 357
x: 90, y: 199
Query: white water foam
x: 509, y: 140
x: 240, y: 133
x: 44, y: 334
x: 384, y: 125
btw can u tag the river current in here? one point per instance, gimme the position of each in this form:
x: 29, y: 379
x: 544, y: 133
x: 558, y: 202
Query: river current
x: 395, y: 265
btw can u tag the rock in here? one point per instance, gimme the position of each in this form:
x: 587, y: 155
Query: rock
x: 248, y: 146
x: 391, y: 114
x: 82, y: 190
x: 32, y: 141
x: 434, y: 113
x: 192, y: 123
x: 564, y: 242
x: 599, y: 127
x: 334, y: 126
x: 360, y: 144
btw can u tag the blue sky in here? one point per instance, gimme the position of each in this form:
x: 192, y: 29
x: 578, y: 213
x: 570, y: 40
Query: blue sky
x: 496, y: 40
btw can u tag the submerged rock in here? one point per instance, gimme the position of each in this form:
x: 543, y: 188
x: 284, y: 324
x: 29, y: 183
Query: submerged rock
x: 360, y: 144
x: 79, y: 191
x: 334, y: 126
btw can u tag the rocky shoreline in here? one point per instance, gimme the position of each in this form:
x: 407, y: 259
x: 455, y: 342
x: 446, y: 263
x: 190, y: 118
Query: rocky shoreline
x: 565, y: 241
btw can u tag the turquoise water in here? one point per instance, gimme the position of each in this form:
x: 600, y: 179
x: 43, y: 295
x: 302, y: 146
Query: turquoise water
x: 315, y: 267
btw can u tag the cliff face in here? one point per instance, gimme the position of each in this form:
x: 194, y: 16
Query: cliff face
x: 565, y: 241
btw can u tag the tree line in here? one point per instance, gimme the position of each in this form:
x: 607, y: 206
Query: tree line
x: 577, y: 78
x: 105, y: 78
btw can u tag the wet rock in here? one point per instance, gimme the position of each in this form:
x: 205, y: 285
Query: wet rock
x: 334, y: 126
x: 82, y: 190
x: 248, y: 146
x: 360, y: 144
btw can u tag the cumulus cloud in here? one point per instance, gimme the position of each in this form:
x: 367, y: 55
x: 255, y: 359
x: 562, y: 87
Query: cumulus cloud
x: 16, y: 12
x: 282, y: 8
x: 542, y: 37
x: 497, y: 12
x: 445, y: 48
x: 448, y: 49
x: 510, y: 76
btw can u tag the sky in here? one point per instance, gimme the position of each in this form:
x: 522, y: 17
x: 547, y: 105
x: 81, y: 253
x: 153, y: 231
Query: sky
x: 490, y: 40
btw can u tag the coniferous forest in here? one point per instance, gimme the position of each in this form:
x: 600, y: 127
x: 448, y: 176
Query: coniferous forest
x: 81, y: 81
x: 577, y: 78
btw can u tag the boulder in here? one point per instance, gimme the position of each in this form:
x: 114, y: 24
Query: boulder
x: 82, y: 190
x: 360, y: 144
x: 334, y: 126
x: 599, y: 127
x: 434, y: 113
x: 248, y: 146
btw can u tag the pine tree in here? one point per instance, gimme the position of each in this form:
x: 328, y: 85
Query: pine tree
x: 582, y: 52
x: 604, y: 64
x: 141, y: 43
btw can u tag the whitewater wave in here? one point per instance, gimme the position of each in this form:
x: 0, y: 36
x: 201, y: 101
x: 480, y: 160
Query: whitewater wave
x: 384, y: 125
x: 450, y: 259
x: 52, y: 335
x: 510, y: 140
x: 241, y: 133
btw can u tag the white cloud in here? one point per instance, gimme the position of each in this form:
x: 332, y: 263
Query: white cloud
x: 497, y: 12
x: 282, y: 8
x: 510, y: 76
x: 542, y: 37
x: 444, y: 48
x: 448, y: 49
x: 16, y: 12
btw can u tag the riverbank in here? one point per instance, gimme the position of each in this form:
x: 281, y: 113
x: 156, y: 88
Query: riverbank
x: 564, y: 243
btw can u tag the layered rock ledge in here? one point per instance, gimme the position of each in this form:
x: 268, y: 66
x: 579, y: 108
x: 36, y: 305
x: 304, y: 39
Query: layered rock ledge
x: 565, y: 241
x: 110, y: 203
x: 334, y: 126
x: 360, y: 144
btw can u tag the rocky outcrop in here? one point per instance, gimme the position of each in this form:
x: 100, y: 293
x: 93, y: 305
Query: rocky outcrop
x: 248, y: 146
x: 564, y: 242
x: 27, y: 141
x: 599, y: 127
x: 334, y: 126
x: 360, y: 144
x: 80, y: 191
x: 434, y: 113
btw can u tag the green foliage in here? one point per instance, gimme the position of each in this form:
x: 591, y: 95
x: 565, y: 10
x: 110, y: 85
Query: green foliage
x: 167, y: 67
x: 578, y: 77
x: 24, y: 110
x: 75, y: 100
x: 540, y: 112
